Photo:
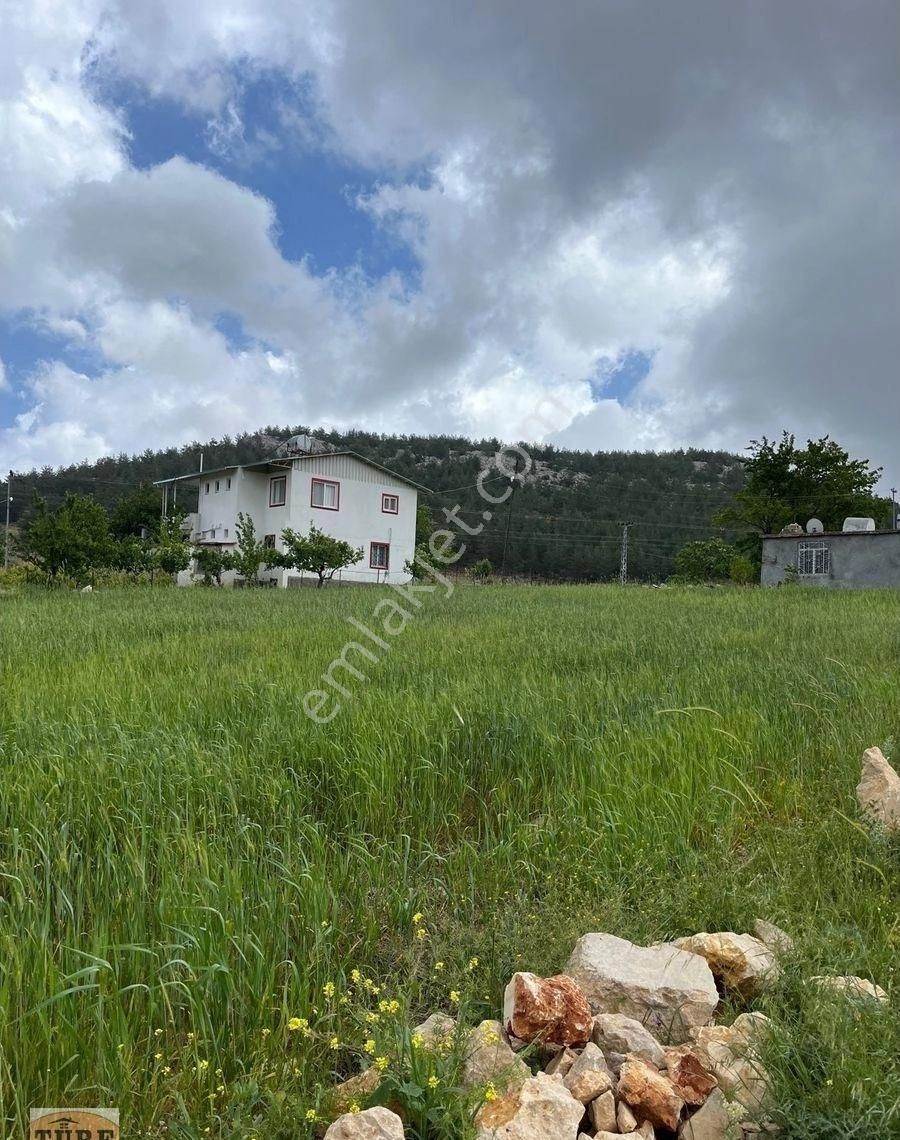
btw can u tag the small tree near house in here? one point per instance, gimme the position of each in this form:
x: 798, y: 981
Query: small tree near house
x: 171, y: 552
x: 317, y: 553
x: 250, y: 554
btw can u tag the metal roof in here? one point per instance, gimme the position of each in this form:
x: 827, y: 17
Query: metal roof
x: 832, y: 534
x: 285, y: 465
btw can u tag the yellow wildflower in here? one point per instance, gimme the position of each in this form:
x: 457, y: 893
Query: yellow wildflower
x: 298, y: 1025
x: 381, y: 1063
x: 334, y: 1043
x: 354, y: 1106
x: 417, y: 918
x: 490, y: 1092
x: 310, y: 1115
x: 417, y: 1041
x: 433, y: 1081
x: 473, y: 964
x: 369, y: 1046
x: 439, y: 967
x: 454, y: 997
x: 328, y: 990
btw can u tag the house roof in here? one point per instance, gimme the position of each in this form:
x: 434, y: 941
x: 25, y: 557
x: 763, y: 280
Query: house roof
x: 832, y: 534
x: 274, y: 465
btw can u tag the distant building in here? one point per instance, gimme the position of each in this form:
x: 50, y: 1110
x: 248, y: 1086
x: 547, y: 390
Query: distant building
x: 342, y: 493
x: 854, y: 557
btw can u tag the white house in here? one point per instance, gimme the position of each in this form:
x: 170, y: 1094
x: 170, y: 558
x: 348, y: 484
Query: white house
x: 340, y: 492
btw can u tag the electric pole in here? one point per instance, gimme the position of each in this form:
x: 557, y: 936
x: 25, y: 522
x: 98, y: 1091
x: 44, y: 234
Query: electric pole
x: 893, y: 508
x: 514, y: 483
x: 8, y: 501
x: 623, y: 559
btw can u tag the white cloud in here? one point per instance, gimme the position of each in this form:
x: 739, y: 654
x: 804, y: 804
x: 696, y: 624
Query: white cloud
x: 706, y: 188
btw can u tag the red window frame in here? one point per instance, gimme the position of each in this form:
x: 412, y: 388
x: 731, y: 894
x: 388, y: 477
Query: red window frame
x: 282, y: 479
x: 373, y: 565
x: 325, y: 482
x: 386, y: 510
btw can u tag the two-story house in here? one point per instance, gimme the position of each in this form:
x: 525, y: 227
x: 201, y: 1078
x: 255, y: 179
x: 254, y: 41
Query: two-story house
x: 339, y: 492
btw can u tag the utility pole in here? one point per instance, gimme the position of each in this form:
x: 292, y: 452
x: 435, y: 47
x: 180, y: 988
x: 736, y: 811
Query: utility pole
x: 893, y: 508
x: 8, y: 501
x: 623, y: 559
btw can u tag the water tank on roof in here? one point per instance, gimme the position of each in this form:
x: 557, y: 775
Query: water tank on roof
x: 302, y: 445
x: 814, y: 526
x: 858, y: 524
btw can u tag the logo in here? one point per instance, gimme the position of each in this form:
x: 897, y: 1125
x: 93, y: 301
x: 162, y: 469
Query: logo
x: 74, y: 1124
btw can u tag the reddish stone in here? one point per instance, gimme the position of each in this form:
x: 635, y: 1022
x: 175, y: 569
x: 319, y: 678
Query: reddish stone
x: 652, y: 1096
x: 552, y: 1010
x: 692, y: 1080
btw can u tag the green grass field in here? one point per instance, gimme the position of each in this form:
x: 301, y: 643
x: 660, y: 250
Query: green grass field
x: 188, y: 860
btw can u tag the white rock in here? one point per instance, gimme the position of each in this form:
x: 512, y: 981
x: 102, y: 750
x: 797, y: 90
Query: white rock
x: 488, y: 1057
x: 710, y: 1122
x: 741, y: 963
x: 626, y: 1121
x: 669, y: 990
x: 542, y: 1109
x: 588, y: 1077
x: 848, y: 985
x: 560, y: 1063
x: 878, y: 791
x: 603, y: 1112
x: 733, y: 1055
x: 617, y: 1034
x: 778, y: 940
x: 372, y: 1124
x: 435, y: 1029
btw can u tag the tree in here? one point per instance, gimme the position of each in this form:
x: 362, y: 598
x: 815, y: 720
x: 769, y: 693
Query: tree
x: 171, y: 552
x: 786, y: 484
x: 250, y: 554
x: 134, y: 555
x: 73, y: 540
x: 211, y: 561
x: 136, y: 513
x: 706, y: 560
x: 482, y: 570
x: 424, y: 524
x: 318, y: 553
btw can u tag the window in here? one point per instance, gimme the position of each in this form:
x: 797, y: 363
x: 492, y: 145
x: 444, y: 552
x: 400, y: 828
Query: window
x: 814, y: 558
x: 278, y: 491
x: 325, y: 494
x: 228, y: 483
x: 379, y: 556
x: 217, y: 486
x: 226, y: 531
x: 390, y: 504
x: 269, y: 541
x: 207, y: 489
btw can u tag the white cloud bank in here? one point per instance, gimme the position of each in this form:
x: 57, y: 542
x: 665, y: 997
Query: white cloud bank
x: 710, y: 184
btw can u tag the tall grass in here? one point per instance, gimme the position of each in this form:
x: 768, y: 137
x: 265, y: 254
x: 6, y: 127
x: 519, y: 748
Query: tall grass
x: 186, y: 859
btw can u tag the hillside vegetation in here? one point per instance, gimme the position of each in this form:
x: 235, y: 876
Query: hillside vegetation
x: 192, y: 870
x: 564, y: 523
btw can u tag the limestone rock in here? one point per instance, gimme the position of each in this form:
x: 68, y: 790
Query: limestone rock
x: 560, y: 1063
x: 588, y: 1077
x: 878, y: 791
x: 777, y: 940
x: 603, y: 1112
x: 542, y: 1108
x: 488, y: 1057
x: 617, y: 1034
x: 669, y: 990
x: 435, y: 1030
x: 850, y: 986
x: 546, y: 1009
x: 646, y: 1131
x: 741, y: 963
x: 711, y: 1122
x: 651, y: 1095
x: 372, y: 1124
x: 689, y: 1075
x: 355, y: 1088
x: 731, y: 1053
x: 626, y: 1121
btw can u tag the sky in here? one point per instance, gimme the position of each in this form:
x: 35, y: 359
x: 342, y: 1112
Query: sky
x: 599, y: 223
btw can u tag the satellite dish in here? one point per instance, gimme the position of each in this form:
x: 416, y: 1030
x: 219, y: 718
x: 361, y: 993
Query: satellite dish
x: 814, y: 526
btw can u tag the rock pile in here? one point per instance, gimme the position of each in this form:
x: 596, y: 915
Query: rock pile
x: 626, y: 1034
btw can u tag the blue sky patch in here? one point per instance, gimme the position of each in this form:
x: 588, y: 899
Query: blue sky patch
x: 617, y: 379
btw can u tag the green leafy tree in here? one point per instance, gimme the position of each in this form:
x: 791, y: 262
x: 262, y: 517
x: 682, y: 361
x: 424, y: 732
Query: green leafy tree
x: 707, y: 560
x: 73, y: 540
x: 134, y: 555
x: 318, y: 553
x: 250, y: 554
x: 211, y: 562
x: 171, y: 552
x: 785, y: 483
x: 424, y: 524
x: 741, y: 570
x: 136, y: 513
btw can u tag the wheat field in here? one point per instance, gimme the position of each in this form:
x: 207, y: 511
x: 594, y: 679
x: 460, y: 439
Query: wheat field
x: 205, y: 896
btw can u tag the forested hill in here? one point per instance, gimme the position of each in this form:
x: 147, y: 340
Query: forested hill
x: 565, y: 522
